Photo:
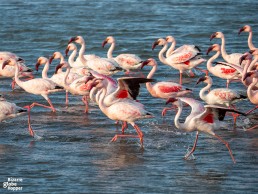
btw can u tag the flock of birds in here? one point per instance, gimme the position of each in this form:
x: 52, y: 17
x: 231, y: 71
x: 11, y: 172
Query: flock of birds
x: 90, y: 77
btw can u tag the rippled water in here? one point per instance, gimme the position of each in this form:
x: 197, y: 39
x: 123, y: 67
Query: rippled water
x: 75, y: 155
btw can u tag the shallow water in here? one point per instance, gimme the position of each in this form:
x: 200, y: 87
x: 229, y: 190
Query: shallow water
x: 75, y: 155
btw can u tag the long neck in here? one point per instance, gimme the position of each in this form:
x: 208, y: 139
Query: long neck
x: 210, y: 61
x: 223, y: 47
x: 176, y: 120
x: 246, y: 69
x: 65, y: 78
x: 110, y: 50
x: 250, y: 41
x: 171, y: 48
x: 71, y: 58
x: 161, y: 54
x: 251, y: 92
x: 102, y: 105
x: 45, y: 70
x: 150, y: 75
x: 202, y: 94
x: 253, y: 63
x: 81, y: 53
x: 16, y: 75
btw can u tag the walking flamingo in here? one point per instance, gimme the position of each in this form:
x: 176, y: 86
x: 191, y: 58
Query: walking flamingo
x: 181, y: 61
x: 126, y: 110
x: 126, y: 61
x: 221, y: 69
x: 163, y: 89
x: 248, y: 28
x: 201, y: 119
x: 230, y: 58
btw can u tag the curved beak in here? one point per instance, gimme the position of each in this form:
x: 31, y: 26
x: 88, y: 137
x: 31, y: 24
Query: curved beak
x: 171, y: 100
x: 248, y: 75
x: 104, y: 43
x: 252, y: 51
x: 58, y: 67
x: 145, y: 63
x: 5, y: 63
x: 72, y: 39
x: 201, y: 79
x: 213, y: 36
x: 51, y: 59
x: 209, y: 50
x: 242, y: 58
x: 155, y: 44
x: 37, y: 66
x: 66, y: 51
x: 241, y: 30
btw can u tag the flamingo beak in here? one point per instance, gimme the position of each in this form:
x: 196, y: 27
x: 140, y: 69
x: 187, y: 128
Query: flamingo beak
x: 241, y: 30
x: 37, y: 66
x: 66, y: 51
x: 209, y: 50
x: 155, y: 44
x: 5, y: 63
x: 252, y: 51
x: 248, y: 75
x: 104, y: 43
x: 89, y: 78
x: 72, y: 40
x: 213, y: 36
x: 58, y: 67
x: 242, y: 58
x: 201, y: 79
x: 51, y: 59
x: 172, y: 100
x: 145, y: 63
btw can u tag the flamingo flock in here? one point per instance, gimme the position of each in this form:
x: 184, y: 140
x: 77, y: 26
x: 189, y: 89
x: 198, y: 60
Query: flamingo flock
x: 91, y: 77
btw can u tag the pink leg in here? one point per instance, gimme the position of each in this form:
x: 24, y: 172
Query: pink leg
x: 124, y: 126
x: 248, y: 112
x: 194, y: 146
x: 29, y: 123
x: 249, y: 129
x: 85, y: 101
x: 42, y: 105
x: 66, y: 99
x: 227, y: 145
x: 164, y: 111
x: 180, y: 78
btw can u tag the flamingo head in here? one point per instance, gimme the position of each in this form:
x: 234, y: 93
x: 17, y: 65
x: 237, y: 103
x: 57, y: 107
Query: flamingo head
x: 10, y: 62
x: 97, y: 82
x: 245, y: 28
x: 170, y: 39
x: 56, y: 55
x: 214, y: 47
x: 40, y: 61
x: 250, y: 74
x: 77, y: 39
x: 160, y: 41
x: 216, y: 35
x: 61, y: 65
x: 109, y: 40
x: 70, y: 47
x: 150, y: 62
x: 203, y: 79
x: 247, y: 56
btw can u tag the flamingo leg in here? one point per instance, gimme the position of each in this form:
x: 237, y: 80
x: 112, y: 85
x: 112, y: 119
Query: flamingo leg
x: 203, y: 70
x: 85, y: 101
x: 180, y: 78
x: 42, y: 105
x: 29, y: 123
x: 124, y: 126
x: 256, y: 126
x: 194, y: 146
x: 248, y: 112
x: 227, y: 145
x: 66, y: 98
x: 164, y: 111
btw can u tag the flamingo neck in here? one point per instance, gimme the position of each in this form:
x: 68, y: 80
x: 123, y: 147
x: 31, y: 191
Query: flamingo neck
x: 161, y: 54
x: 110, y: 50
x: 45, y: 70
x: 71, y: 58
x: 253, y: 63
x: 210, y: 61
x: 171, y: 49
x: 250, y: 41
x: 16, y: 75
x: 223, y: 48
x: 66, y: 76
x: 81, y: 53
x: 246, y: 69
x: 150, y: 75
x: 102, y: 105
x: 202, y: 92
x: 176, y: 120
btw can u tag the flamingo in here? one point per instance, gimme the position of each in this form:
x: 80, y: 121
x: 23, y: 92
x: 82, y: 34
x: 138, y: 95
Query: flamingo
x: 181, y: 61
x: 248, y: 28
x: 219, y: 96
x: 37, y: 86
x: 230, y: 58
x: 80, y: 59
x: 126, y: 110
x: 126, y: 61
x: 9, y: 110
x: 101, y: 65
x: 75, y: 67
x: 221, y: 69
x: 80, y: 86
x: 201, y: 119
x: 172, y: 40
x: 164, y: 90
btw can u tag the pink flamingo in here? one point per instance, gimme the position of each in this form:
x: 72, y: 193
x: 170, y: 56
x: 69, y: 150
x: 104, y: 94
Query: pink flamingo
x: 126, y: 61
x: 163, y: 89
x: 230, y: 58
x: 126, y: 110
x: 219, y: 96
x: 201, y: 119
x: 248, y: 29
x: 181, y: 61
x: 221, y: 69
